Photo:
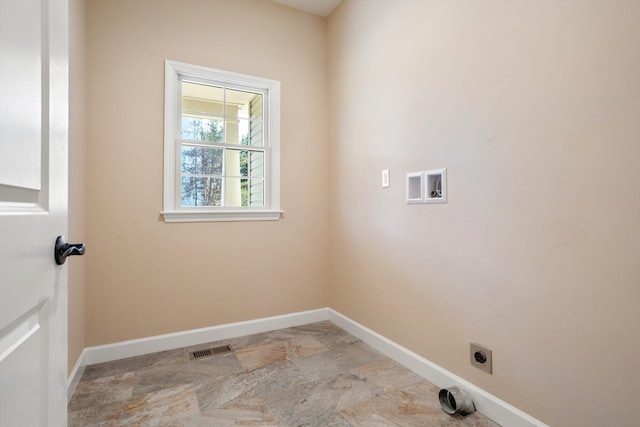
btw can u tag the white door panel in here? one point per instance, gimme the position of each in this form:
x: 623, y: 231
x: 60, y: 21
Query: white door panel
x: 33, y: 211
x: 21, y: 107
x: 26, y: 339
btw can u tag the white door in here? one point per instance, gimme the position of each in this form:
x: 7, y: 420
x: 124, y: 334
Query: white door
x: 33, y: 211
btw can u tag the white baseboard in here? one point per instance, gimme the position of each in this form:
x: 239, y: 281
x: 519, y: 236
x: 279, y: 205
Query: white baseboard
x: 76, y: 374
x: 496, y: 409
x: 138, y: 347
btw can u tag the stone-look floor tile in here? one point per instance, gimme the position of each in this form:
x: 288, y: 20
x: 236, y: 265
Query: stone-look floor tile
x: 336, y: 420
x: 304, y: 346
x: 102, y: 391
x: 256, y: 340
x: 387, y: 375
x: 250, y: 412
x: 318, y: 402
x: 393, y: 409
x: 271, y: 382
x: 327, y: 333
x: 290, y: 397
x: 353, y: 390
x: 179, y: 369
x: 417, y: 405
x: 121, y: 366
x: 339, y: 361
x: 263, y: 355
x: 311, y: 375
x: 164, y: 407
x: 259, y: 356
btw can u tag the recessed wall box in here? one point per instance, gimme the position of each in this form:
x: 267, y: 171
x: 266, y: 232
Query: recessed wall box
x: 415, y: 187
x: 436, y: 186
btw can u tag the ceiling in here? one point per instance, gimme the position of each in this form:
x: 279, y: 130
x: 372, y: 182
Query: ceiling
x: 317, y: 7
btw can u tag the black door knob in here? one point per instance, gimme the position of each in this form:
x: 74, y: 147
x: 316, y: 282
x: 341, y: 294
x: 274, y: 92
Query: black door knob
x: 63, y: 249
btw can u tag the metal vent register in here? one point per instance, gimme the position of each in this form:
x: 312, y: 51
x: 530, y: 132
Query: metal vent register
x: 208, y: 352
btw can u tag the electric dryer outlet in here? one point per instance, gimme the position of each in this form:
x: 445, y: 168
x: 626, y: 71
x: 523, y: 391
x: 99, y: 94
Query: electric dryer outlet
x: 481, y: 358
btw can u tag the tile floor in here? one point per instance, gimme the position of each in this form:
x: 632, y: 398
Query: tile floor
x: 312, y: 375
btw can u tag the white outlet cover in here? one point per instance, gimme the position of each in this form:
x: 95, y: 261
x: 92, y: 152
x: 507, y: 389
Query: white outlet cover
x: 385, y: 178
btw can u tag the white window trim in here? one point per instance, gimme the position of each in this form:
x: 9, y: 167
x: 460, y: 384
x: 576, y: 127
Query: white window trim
x: 172, y: 211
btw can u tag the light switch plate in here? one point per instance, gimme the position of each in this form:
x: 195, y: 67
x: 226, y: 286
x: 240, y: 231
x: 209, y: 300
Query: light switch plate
x: 385, y: 178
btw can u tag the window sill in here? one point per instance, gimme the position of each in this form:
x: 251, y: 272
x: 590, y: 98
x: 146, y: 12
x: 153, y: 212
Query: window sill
x: 222, y: 215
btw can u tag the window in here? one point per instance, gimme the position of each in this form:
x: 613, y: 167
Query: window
x: 221, y: 146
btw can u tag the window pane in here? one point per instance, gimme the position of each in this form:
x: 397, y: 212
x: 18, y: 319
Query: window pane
x: 256, y: 192
x: 201, y: 160
x: 202, y: 99
x: 245, y: 163
x: 244, y: 192
x: 256, y: 164
x: 237, y: 131
x: 256, y: 121
x: 198, y: 191
x: 235, y: 192
x: 235, y: 161
x: 240, y: 104
x: 255, y: 133
x: 202, y: 129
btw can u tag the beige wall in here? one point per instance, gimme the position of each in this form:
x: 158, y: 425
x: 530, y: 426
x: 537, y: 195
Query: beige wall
x: 145, y: 277
x: 77, y: 137
x: 533, y: 107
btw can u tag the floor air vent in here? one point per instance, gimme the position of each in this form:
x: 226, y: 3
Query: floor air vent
x: 208, y: 352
